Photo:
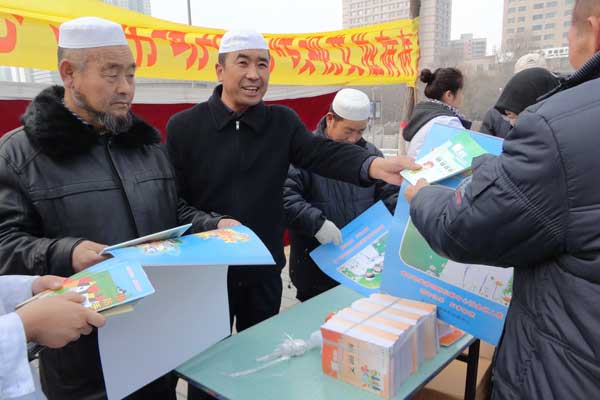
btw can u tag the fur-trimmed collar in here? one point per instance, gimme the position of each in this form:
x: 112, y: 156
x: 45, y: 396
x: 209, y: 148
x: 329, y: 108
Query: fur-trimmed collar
x: 55, y: 131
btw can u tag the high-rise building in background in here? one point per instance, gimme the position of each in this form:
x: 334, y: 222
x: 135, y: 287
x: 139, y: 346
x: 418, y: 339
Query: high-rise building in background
x: 469, y: 47
x: 435, y: 17
x: 536, y: 25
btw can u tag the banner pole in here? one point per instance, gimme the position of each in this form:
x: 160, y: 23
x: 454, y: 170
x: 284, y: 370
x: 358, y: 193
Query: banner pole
x: 410, y: 97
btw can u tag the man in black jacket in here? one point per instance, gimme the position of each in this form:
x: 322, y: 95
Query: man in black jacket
x: 316, y: 206
x: 82, y: 172
x: 232, y: 153
x: 537, y: 207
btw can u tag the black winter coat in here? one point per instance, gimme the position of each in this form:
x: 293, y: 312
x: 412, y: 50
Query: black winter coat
x: 236, y: 164
x: 535, y: 207
x: 309, y: 199
x: 60, y: 183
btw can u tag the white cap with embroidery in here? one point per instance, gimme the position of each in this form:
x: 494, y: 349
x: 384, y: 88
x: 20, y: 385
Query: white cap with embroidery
x: 352, y: 104
x: 242, y: 40
x: 89, y: 32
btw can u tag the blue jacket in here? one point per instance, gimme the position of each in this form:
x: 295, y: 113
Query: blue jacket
x: 535, y: 207
x: 309, y: 199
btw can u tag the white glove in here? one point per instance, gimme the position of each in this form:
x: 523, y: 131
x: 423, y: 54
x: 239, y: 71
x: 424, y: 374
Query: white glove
x: 329, y: 233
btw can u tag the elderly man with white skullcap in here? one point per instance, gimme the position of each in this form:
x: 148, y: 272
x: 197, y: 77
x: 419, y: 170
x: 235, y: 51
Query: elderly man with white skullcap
x: 83, y: 171
x: 232, y: 155
x: 316, y: 207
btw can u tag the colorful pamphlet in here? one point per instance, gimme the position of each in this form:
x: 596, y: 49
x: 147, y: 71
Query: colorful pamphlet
x: 189, y: 311
x: 231, y: 246
x: 358, y: 261
x: 154, y: 237
x: 108, y: 285
x: 449, y: 158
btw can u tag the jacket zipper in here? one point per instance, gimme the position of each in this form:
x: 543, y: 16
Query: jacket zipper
x: 120, y: 183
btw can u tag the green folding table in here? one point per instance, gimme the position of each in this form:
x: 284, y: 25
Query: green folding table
x: 302, y: 377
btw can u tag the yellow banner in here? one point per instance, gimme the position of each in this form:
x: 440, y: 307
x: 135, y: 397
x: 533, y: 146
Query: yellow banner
x: 370, y: 55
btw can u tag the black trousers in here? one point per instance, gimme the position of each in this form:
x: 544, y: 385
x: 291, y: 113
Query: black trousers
x: 306, y: 293
x: 162, y: 388
x: 252, y: 299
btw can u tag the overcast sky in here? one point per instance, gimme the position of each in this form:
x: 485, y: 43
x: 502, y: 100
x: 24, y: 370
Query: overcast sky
x: 481, y: 17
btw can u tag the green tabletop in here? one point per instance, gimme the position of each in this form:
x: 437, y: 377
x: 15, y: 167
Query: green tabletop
x: 300, y: 377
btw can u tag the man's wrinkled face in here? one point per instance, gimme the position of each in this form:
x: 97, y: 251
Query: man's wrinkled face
x: 105, y: 85
x: 344, y: 130
x: 245, y: 78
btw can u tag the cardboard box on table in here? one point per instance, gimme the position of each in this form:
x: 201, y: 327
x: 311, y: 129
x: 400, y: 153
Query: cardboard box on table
x: 450, y: 383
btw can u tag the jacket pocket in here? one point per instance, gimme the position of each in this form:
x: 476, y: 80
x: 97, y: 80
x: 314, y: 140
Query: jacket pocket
x: 72, y: 189
x: 487, y: 174
x: 70, y: 210
x: 152, y: 175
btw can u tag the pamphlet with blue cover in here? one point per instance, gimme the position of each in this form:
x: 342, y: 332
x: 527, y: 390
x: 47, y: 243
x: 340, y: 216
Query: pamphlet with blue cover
x: 473, y: 298
x: 188, y: 312
x: 358, y: 262
x: 237, y: 245
x: 154, y: 237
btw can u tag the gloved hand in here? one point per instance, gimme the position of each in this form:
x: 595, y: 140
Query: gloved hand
x: 329, y: 233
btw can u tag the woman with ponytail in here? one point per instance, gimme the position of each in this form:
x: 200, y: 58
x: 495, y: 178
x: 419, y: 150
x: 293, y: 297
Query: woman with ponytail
x: 444, y: 91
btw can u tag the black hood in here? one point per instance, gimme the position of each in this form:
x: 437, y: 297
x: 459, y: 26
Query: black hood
x: 55, y: 131
x: 523, y: 89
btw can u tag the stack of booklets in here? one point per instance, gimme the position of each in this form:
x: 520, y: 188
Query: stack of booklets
x: 379, y: 341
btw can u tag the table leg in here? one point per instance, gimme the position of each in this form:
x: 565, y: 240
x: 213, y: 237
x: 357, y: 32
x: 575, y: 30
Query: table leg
x: 195, y: 393
x: 472, y: 364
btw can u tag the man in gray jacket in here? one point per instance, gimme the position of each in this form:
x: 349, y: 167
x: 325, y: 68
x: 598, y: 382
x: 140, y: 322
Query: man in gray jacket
x: 316, y: 207
x: 537, y: 207
x: 81, y: 173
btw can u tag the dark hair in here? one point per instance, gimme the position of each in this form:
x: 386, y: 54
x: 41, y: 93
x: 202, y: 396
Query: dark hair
x: 440, y: 81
